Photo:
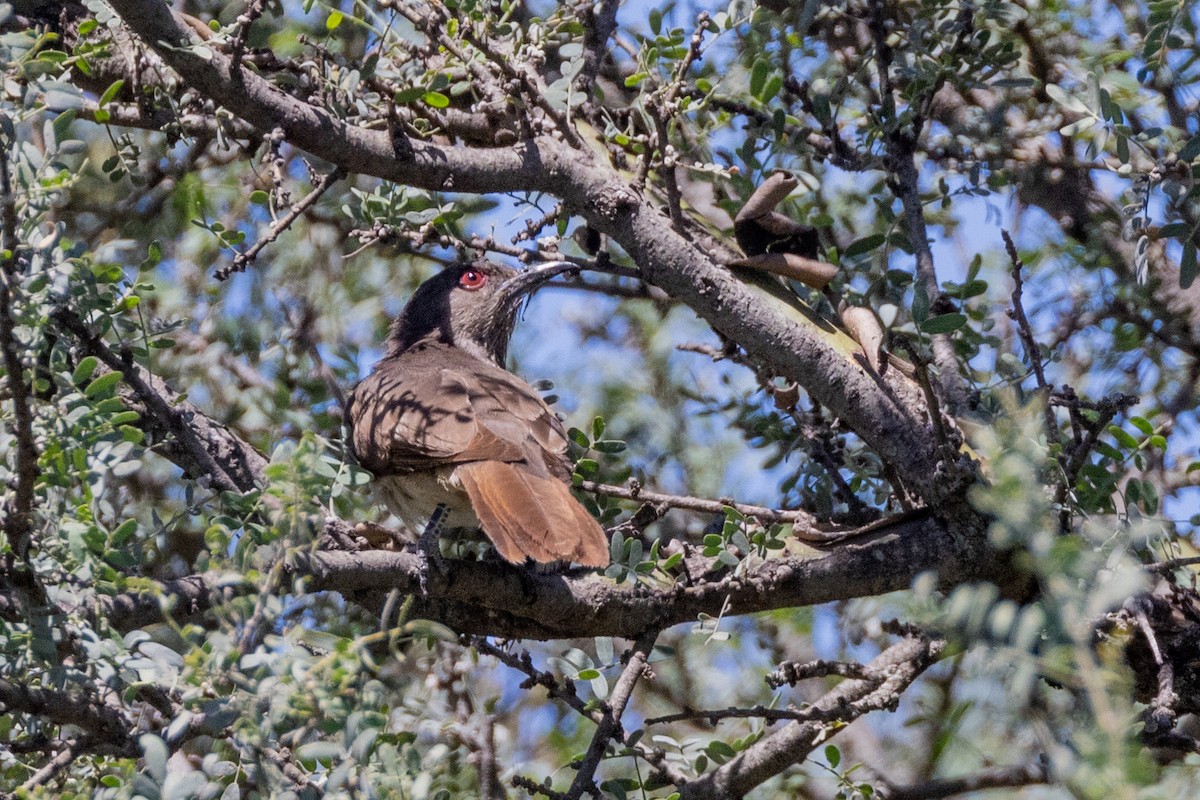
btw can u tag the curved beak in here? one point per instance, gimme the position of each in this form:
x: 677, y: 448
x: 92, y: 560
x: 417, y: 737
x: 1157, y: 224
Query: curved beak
x: 526, y: 282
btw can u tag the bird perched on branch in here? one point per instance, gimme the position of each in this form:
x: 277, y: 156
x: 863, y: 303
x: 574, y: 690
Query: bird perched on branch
x: 456, y: 441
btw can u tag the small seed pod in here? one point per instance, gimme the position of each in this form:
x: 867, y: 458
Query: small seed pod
x: 808, y: 271
x: 863, y: 326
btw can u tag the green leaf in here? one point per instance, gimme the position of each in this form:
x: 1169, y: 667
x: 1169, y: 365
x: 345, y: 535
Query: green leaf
x: 259, y: 198
x: 719, y: 749
x: 1142, y: 424
x: 758, y: 76
x: 774, y: 84
x: 1190, y: 149
x: 103, y: 386
x: 436, y: 99
x: 406, y: 96
x: 588, y: 674
x: 125, y: 530
x: 319, y: 751
x: 84, y: 369
x: 1123, y: 437
x: 864, y: 245
x: 833, y: 756
x: 1187, y: 265
x: 333, y: 20
x: 944, y: 323
x: 1059, y: 95
x: 155, y: 755
x: 597, y: 428
x: 580, y: 438
x: 110, y: 92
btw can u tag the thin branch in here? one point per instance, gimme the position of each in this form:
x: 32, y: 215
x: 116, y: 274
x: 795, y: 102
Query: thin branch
x: 1106, y: 411
x: 1017, y: 313
x: 243, y: 22
x: 1173, y: 564
x: 320, y: 186
x: 610, y: 722
x: 61, y: 760
x: 599, y: 23
x: 524, y: 663
x: 18, y: 520
x: 534, y: 788
x: 791, y: 673
x: 762, y: 513
x: 992, y: 778
x: 900, y: 145
x: 662, y: 107
x: 713, y: 716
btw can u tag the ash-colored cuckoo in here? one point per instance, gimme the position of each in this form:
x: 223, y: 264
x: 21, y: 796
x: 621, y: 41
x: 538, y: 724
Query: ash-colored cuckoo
x: 452, y: 436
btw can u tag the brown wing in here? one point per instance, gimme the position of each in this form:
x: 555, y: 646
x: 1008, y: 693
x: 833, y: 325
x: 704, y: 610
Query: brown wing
x: 416, y: 412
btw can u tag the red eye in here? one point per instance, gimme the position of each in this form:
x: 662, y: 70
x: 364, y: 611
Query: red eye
x: 472, y: 279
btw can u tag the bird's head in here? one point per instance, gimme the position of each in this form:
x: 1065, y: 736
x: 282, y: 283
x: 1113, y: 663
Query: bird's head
x: 471, y: 305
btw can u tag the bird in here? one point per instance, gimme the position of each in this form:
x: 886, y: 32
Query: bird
x: 457, y: 442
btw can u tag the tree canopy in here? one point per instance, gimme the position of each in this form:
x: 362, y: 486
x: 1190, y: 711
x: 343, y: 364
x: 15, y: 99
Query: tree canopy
x: 880, y: 367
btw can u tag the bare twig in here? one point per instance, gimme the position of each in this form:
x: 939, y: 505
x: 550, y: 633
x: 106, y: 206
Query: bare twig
x: 713, y: 716
x: 761, y: 513
x: 1173, y: 564
x: 320, y: 186
x: 62, y: 759
x: 791, y: 673
x: 1025, y: 330
x: 535, y: 789
x: 523, y: 663
x: 991, y: 778
x: 238, y: 47
x: 599, y: 23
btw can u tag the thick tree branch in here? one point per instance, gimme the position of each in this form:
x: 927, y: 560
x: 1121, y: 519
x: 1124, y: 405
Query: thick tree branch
x: 504, y: 600
x: 63, y: 708
x: 358, y: 150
